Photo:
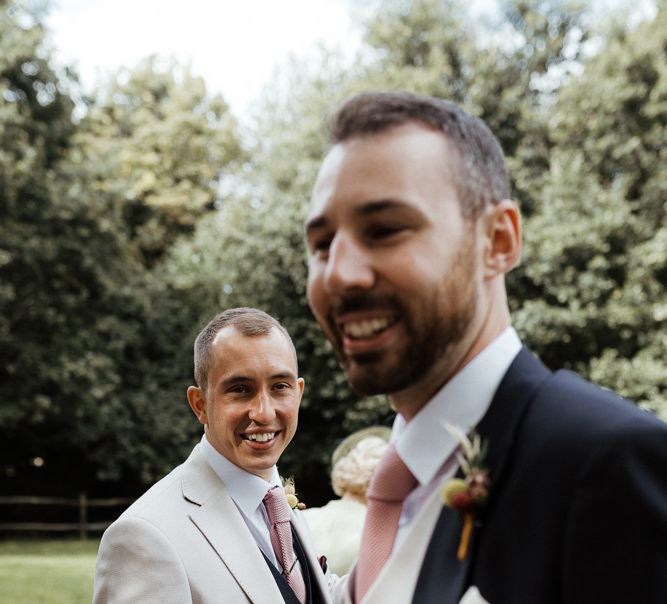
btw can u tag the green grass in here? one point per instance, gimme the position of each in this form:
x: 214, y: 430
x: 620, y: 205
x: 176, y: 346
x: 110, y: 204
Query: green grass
x: 47, y: 571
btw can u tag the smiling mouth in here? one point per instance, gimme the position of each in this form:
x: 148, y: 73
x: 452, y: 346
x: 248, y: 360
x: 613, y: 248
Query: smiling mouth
x: 259, y: 437
x: 366, y: 328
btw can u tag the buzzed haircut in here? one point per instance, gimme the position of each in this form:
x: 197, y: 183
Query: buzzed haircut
x: 249, y: 322
x: 481, y: 177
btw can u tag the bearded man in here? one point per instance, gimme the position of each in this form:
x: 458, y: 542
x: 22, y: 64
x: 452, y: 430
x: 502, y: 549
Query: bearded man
x: 560, y: 497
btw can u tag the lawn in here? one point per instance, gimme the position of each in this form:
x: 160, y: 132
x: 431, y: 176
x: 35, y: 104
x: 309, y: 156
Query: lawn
x: 47, y: 571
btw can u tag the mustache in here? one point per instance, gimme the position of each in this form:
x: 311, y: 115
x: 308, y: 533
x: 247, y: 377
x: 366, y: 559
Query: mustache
x: 363, y: 301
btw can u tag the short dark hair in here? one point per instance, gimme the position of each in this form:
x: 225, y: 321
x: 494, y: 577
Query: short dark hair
x: 482, y: 175
x: 249, y: 322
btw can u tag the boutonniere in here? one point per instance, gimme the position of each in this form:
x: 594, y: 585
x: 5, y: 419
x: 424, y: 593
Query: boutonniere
x: 467, y: 495
x: 290, y: 493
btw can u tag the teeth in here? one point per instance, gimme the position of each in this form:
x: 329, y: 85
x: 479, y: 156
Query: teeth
x: 261, y: 438
x: 364, y: 329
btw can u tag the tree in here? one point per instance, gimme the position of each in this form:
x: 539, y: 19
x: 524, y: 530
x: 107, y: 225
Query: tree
x: 85, y: 332
x: 69, y: 290
x: 123, y: 234
x: 597, y: 256
x: 157, y: 145
x: 563, y: 297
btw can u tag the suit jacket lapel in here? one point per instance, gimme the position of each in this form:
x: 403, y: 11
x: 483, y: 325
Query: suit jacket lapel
x: 443, y: 578
x: 443, y: 575
x: 500, y: 423
x: 318, y: 580
x: 220, y: 522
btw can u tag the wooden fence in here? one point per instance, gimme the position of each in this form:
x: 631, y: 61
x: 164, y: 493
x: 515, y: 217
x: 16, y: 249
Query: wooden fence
x: 82, y: 502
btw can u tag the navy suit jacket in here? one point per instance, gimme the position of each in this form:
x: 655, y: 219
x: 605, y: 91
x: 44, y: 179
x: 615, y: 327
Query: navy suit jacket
x: 577, y: 511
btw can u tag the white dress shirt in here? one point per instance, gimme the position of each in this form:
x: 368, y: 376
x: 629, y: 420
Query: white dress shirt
x: 425, y: 443
x: 247, y: 491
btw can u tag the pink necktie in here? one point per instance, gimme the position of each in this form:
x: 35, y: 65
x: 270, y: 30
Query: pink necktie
x: 278, y: 510
x: 390, y: 485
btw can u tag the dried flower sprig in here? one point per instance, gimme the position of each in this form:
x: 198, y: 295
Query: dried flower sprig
x: 466, y: 495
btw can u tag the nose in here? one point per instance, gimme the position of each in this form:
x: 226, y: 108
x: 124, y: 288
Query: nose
x: 262, y: 410
x: 348, y: 267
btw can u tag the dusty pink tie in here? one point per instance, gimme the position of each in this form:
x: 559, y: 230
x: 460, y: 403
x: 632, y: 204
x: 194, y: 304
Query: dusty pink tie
x: 390, y: 485
x: 281, y: 538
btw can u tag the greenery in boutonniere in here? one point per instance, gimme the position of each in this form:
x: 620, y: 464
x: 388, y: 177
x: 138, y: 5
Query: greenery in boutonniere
x: 290, y: 493
x: 468, y: 494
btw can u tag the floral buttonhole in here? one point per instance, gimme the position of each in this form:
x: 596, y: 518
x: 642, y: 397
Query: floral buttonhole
x: 290, y: 494
x: 467, y: 495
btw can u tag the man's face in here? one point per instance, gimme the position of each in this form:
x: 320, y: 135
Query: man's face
x: 250, y: 408
x: 393, y: 266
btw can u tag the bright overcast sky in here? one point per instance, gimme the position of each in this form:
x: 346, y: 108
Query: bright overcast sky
x: 234, y: 44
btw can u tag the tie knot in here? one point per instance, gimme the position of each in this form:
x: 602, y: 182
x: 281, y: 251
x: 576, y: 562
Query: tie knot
x: 276, y: 506
x: 392, y: 481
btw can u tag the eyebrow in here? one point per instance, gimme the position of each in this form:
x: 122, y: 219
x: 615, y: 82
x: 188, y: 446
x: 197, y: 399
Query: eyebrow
x: 375, y: 207
x: 316, y: 223
x: 236, y: 379
x: 368, y: 209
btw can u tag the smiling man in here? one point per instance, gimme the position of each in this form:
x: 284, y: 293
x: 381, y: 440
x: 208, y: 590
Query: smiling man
x: 218, y: 527
x: 410, y: 233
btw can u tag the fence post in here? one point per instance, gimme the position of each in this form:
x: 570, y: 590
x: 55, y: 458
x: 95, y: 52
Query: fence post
x: 83, y: 515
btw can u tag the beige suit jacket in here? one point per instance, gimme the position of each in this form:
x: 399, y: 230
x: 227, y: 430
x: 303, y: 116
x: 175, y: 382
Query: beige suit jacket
x: 184, y: 541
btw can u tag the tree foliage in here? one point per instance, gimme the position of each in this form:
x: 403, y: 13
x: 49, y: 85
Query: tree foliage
x: 566, y: 297
x: 63, y: 269
x: 156, y: 143
x: 85, y: 332
x: 596, y: 256
x: 125, y: 232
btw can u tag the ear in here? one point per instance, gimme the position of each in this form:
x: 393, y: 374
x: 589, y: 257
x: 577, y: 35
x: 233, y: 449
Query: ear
x: 503, y: 239
x: 197, y: 402
x: 300, y: 385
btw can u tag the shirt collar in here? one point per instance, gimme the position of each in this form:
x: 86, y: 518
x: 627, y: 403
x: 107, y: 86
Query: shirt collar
x: 247, y: 490
x: 425, y: 443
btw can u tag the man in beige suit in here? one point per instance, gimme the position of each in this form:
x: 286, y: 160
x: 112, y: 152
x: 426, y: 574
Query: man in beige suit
x: 202, y: 534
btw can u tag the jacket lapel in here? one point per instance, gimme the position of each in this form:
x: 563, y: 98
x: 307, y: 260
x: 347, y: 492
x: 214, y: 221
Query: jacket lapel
x: 443, y: 578
x: 443, y: 575
x: 318, y: 580
x: 500, y: 423
x: 220, y: 522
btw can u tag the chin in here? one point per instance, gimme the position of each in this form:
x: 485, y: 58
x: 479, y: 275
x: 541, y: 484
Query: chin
x: 364, y: 385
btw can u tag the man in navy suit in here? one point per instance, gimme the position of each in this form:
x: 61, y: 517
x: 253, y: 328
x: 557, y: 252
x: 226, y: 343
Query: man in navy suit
x: 410, y: 233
